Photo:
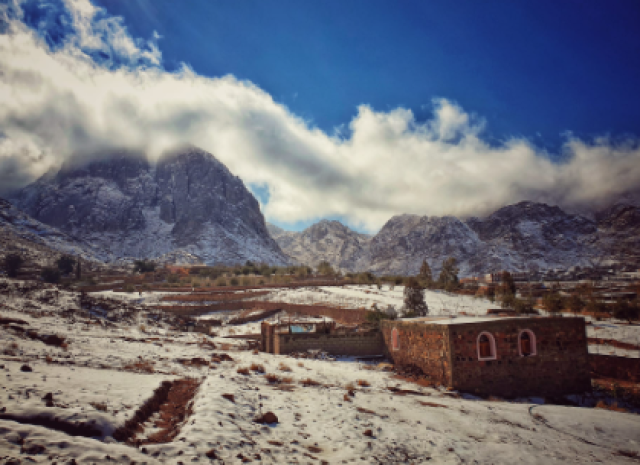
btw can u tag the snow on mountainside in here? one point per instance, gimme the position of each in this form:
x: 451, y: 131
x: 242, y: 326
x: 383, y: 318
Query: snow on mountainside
x: 523, y: 236
x: 126, y: 207
x: 326, y: 240
x: 38, y: 242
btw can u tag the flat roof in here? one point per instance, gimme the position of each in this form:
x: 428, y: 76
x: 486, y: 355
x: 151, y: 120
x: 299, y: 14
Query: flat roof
x: 462, y: 320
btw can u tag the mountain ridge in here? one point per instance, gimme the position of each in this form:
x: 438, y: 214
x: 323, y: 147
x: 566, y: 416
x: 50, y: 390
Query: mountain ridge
x: 522, y: 236
x: 127, y: 207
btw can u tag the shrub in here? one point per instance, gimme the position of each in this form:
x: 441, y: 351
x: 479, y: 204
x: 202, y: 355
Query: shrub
x: 553, y: 302
x: 257, y: 368
x: 350, y: 387
x: 363, y: 383
x: 65, y: 264
x: 309, y: 382
x: 129, y: 288
x: 575, y: 303
x: 143, y: 266
x: 234, y: 281
x: 243, y: 371
x: 102, y: 406
x: 12, y: 264
x: 623, y: 310
x: 376, y: 316
x: 50, y: 275
x: 272, y: 378
x: 284, y: 367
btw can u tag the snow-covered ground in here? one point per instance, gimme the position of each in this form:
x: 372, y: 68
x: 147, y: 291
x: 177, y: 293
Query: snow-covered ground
x: 91, y: 381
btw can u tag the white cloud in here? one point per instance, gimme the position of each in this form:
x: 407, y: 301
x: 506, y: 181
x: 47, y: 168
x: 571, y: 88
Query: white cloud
x: 62, y: 102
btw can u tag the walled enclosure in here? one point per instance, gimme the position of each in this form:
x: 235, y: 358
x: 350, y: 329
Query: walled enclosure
x: 448, y: 355
x: 355, y: 344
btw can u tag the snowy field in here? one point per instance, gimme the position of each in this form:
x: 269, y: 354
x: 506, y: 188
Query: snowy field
x: 96, y: 379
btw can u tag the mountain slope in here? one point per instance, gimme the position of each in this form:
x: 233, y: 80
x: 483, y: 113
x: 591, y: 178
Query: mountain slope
x: 523, y: 236
x: 326, y: 240
x: 36, y: 241
x: 126, y: 207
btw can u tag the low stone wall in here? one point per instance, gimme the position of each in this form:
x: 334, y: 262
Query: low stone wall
x: 611, y: 366
x: 355, y: 344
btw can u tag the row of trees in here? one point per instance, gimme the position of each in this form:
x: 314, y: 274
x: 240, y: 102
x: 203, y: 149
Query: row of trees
x: 447, y: 279
x: 65, y: 265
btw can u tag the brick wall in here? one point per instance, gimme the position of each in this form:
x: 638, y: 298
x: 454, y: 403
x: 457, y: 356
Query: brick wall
x: 356, y: 344
x: 448, y: 354
x: 420, y: 345
x: 560, y: 366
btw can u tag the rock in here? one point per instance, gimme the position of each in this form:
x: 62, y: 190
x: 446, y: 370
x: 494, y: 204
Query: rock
x: 212, y: 454
x: 267, y: 418
x: 229, y: 397
x: 368, y: 433
x: 33, y: 449
x: 26, y: 368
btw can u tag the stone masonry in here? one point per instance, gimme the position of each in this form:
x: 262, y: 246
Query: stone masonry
x: 447, y: 353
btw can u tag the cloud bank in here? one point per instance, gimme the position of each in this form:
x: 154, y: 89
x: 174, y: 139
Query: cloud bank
x: 73, y: 81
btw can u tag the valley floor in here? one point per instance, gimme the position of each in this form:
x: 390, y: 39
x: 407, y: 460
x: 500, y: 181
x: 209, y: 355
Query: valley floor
x: 118, y: 354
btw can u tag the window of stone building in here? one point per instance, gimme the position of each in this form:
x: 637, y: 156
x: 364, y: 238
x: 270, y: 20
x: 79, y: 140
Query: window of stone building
x: 486, y: 347
x: 394, y: 339
x: 527, y: 343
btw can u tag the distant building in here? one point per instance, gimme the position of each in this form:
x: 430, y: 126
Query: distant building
x: 497, y: 277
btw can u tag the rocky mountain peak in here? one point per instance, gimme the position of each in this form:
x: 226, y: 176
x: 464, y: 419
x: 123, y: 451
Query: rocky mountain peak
x: 131, y: 208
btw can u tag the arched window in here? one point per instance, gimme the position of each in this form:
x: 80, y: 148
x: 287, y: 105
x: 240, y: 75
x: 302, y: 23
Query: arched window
x: 486, y: 347
x: 394, y: 339
x: 526, y: 343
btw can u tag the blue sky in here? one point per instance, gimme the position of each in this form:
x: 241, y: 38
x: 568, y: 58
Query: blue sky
x: 353, y: 110
x: 532, y: 68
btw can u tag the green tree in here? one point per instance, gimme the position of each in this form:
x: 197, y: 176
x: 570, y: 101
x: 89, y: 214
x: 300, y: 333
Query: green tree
x: 624, y: 310
x: 50, y: 275
x: 575, y: 303
x: 143, y: 266
x: 448, y: 278
x: 414, y: 297
x: 508, y: 285
x: 508, y: 300
x: 65, y: 264
x: 523, y: 306
x: 325, y: 269
x: 425, y: 276
x: 12, y: 264
x: 553, y: 302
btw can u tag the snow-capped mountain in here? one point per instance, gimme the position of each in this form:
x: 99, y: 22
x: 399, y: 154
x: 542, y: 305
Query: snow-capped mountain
x: 124, y: 206
x: 326, y: 240
x: 523, y: 236
x: 36, y: 241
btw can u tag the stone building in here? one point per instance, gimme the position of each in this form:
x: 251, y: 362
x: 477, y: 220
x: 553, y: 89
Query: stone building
x: 285, y: 338
x: 507, y: 357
